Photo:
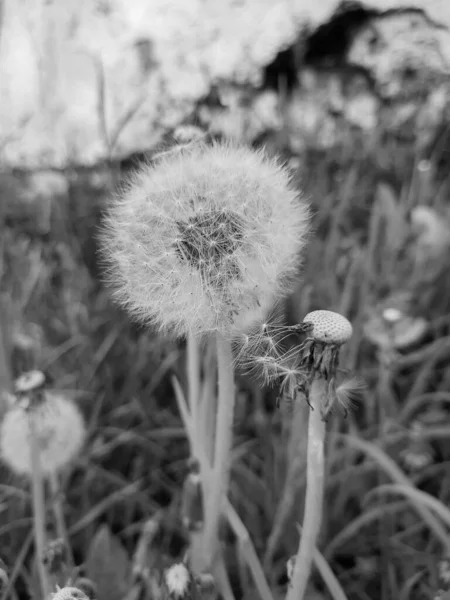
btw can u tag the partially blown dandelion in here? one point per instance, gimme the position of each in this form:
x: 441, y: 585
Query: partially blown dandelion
x: 206, y: 239
x: 320, y: 357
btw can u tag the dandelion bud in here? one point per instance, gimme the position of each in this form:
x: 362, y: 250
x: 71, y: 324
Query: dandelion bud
x: 206, y: 239
x: 60, y: 432
x: 69, y: 593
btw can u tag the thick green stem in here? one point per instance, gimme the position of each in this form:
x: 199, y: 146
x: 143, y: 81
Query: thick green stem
x: 38, y: 494
x: 314, y: 492
x: 224, y: 437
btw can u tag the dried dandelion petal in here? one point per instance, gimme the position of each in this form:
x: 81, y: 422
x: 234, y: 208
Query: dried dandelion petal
x: 329, y: 327
x: 69, y: 593
x: 206, y: 239
x: 60, y: 431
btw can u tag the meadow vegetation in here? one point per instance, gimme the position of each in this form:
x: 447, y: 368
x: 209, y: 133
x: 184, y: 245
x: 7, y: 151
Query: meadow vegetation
x: 372, y: 257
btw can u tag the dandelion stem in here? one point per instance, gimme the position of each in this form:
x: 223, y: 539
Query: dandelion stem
x: 314, y: 492
x: 224, y: 436
x: 58, y: 510
x: 38, y: 507
x: 193, y: 372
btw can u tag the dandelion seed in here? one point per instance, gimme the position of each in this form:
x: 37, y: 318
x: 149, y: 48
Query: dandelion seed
x: 205, y: 240
x: 349, y: 392
x: 60, y: 432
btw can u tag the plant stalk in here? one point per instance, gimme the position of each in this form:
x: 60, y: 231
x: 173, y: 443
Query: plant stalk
x: 315, y: 475
x: 193, y: 372
x: 38, y: 494
x: 58, y: 510
x: 224, y: 438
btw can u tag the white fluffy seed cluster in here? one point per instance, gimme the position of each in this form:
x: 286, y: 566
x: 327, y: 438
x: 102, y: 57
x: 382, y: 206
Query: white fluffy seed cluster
x: 206, y: 239
x: 60, y: 431
x: 329, y: 327
x: 69, y: 593
x: 177, y: 578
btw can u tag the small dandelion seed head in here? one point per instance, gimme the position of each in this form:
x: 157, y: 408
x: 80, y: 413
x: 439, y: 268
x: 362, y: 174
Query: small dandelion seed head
x: 206, y: 239
x: 69, y: 593
x: 178, y: 579
x: 392, y: 315
x: 29, y: 382
x: 329, y: 327
x: 60, y: 432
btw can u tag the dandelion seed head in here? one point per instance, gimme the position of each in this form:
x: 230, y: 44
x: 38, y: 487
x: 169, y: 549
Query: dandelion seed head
x: 206, y: 239
x: 69, y: 593
x: 177, y: 578
x: 60, y: 432
x: 392, y: 315
x: 32, y: 380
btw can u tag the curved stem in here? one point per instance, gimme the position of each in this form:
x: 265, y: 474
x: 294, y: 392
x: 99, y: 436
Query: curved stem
x: 224, y: 437
x: 315, y: 475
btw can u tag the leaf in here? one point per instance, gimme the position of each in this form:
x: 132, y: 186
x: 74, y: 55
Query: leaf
x: 108, y: 565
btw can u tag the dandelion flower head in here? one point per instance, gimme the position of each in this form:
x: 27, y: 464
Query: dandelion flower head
x: 60, y: 432
x: 206, y: 239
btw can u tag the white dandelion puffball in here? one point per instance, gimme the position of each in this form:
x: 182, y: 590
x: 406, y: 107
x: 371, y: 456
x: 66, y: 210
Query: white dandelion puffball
x: 177, y: 578
x: 60, y: 432
x: 206, y: 239
x: 69, y: 593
